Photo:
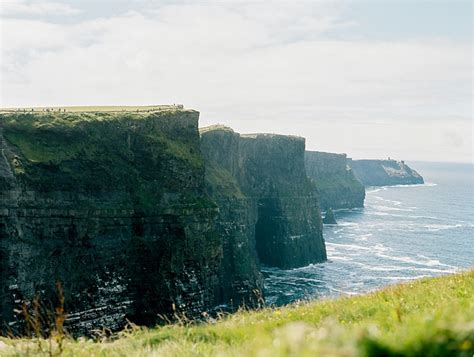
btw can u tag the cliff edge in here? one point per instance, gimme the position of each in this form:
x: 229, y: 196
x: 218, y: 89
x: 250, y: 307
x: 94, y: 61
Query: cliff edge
x: 334, y: 179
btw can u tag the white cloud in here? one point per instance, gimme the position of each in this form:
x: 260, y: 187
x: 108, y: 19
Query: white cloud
x: 254, y: 67
x: 23, y: 7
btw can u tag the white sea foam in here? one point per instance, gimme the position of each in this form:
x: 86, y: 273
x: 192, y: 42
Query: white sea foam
x: 425, y: 261
x: 378, y: 214
x: 353, y: 247
x: 396, y: 203
x: 426, y: 184
x: 425, y: 217
x: 346, y: 246
x: 396, y: 278
x: 341, y: 258
x: 373, y: 190
x: 384, y: 268
x: 440, y: 227
x: 388, y: 208
x: 432, y: 260
x: 347, y: 224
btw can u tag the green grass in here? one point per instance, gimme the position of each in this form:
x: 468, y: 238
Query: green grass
x: 222, y: 182
x: 430, y: 317
x: 209, y: 128
x: 97, y: 151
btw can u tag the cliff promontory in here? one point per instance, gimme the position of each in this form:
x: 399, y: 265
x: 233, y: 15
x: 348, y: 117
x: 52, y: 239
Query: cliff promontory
x: 114, y: 206
x: 384, y: 172
x: 335, y: 181
x: 263, y: 175
x: 140, y: 217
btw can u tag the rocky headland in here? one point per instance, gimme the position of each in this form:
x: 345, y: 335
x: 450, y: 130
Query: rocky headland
x: 384, y: 172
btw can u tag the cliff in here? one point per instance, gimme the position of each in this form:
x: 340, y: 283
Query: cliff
x: 113, y: 205
x: 384, y: 172
x: 138, y: 216
x: 263, y: 175
x: 335, y: 182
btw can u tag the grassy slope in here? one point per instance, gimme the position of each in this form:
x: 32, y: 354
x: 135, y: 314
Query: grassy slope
x: 431, y: 317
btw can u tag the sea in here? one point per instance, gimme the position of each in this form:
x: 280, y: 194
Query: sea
x: 403, y: 233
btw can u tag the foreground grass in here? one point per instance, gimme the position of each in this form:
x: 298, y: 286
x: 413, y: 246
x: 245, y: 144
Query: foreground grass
x: 430, y: 317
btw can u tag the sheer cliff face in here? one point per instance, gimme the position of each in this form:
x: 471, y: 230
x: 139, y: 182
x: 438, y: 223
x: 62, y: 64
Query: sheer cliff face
x: 336, y: 184
x: 112, y: 205
x: 266, y: 173
x: 241, y: 281
x: 384, y: 172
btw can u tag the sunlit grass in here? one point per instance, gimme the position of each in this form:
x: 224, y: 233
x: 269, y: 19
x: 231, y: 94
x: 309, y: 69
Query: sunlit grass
x: 430, y: 317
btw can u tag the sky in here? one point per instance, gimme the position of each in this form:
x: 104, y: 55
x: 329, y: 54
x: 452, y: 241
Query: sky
x: 368, y: 78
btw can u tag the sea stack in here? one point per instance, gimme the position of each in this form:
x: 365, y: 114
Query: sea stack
x: 329, y: 217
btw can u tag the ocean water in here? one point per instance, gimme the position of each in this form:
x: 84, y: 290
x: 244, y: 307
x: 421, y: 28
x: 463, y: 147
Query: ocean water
x: 402, y: 233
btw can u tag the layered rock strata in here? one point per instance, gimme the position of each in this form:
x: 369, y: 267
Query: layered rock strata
x: 264, y: 173
x: 113, y: 206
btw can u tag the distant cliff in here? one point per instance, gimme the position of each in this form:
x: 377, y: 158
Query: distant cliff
x: 264, y: 173
x: 384, y: 172
x: 114, y: 206
x: 336, y: 184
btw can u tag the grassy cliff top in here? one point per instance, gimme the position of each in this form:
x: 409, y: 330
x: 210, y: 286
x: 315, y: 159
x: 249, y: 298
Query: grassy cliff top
x: 271, y: 136
x: 324, y: 154
x: 429, y: 317
x: 221, y: 127
x: 97, y: 109
x: 377, y: 161
x: 215, y: 127
x: 94, y: 152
